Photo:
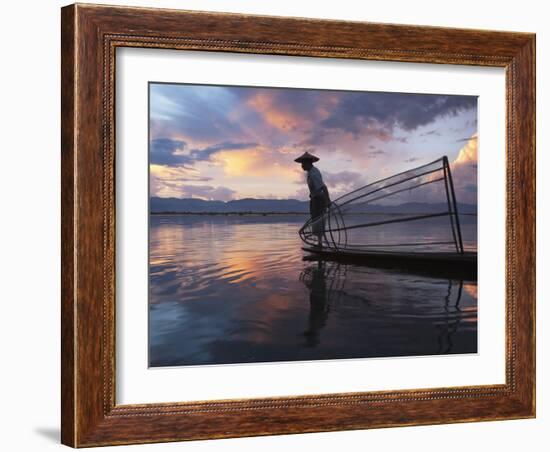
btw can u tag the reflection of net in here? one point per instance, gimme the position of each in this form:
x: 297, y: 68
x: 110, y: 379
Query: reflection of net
x: 411, y: 211
x: 328, y: 279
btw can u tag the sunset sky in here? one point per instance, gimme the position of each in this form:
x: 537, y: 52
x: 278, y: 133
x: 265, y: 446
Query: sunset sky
x: 223, y: 143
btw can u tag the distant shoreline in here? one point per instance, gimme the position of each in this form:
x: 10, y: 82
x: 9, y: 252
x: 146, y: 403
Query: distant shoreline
x: 230, y: 213
x: 278, y: 213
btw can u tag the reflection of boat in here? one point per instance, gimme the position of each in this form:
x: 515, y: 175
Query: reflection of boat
x: 315, y: 279
x: 450, y: 325
x: 453, y: 265
x: 329, y: 277
x: 366, y: 226
x: 329, y: 296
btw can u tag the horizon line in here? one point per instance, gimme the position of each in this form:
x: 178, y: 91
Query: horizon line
x: 277, y: 199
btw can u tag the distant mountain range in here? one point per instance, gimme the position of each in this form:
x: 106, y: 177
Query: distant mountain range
x: 251, y: 205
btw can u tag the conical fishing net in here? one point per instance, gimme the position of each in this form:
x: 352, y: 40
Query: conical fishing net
x: 413, y: 211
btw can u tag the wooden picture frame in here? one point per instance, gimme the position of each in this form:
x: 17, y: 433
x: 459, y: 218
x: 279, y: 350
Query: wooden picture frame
x: 90, y: 35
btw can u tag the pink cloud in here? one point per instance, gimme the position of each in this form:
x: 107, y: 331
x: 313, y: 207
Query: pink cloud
x: 464, y: 172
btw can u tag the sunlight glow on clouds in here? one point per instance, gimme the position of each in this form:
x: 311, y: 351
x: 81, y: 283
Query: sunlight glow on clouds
x: 226, y: 142
x: 464, y: 171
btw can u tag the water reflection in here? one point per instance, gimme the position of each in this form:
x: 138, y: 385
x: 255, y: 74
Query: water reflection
x: 326, y: 284
x: 236, y: 290
x: 449, y: 327
x: 314, y: 279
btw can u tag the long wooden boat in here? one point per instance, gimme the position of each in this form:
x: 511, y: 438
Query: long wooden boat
x: 452, y: 265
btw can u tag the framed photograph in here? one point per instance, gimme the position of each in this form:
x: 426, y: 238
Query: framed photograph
x: 282, y: 225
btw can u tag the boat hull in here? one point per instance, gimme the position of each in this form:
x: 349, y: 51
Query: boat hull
x: 452, y: 265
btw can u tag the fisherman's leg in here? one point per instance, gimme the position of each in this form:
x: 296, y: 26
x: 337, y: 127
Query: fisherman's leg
x: 320, y: 240
x: 315, y: 212
x: 321, y: 224
x: 319, y: 232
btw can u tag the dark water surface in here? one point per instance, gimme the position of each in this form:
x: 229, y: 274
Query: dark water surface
x: 235, y: 289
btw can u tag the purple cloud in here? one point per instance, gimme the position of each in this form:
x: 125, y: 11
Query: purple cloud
x: 163, y: 152
x: 390, y: 110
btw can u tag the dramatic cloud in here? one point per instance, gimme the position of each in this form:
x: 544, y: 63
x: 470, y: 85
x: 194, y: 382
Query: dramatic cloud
x: 464, y: 171
x: 242, y: 141
x: 208, y: 152
x: 163, y: 152
x: 291, y: 109
x: 167, y: 183
x: 390, y: 110
x: 196, y: 112
x: 343, y: 182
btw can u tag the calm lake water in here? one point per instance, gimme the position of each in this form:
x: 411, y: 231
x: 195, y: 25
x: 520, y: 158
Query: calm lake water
x: 235, y: 289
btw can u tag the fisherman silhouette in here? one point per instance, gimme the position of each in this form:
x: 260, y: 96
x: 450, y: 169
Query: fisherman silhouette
x: 318, y: 304
x: 319, y: 198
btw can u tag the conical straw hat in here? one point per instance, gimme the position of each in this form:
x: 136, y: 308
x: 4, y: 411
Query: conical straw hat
x: 306, y: 156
